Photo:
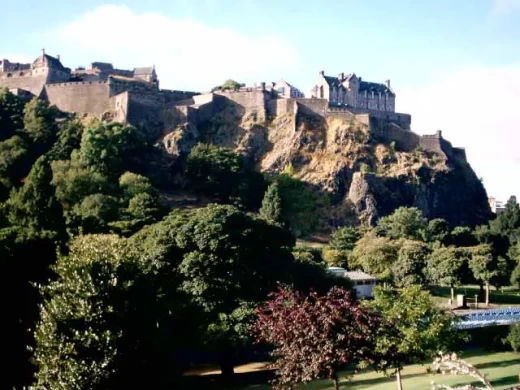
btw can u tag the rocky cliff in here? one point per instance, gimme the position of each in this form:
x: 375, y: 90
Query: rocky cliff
x: 345, y: 161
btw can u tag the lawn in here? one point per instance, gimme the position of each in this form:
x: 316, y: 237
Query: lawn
x: 501, y: 368
x: 508, y: 296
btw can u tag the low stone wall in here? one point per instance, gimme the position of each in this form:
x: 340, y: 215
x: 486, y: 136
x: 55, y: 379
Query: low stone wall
x: 404, y: 139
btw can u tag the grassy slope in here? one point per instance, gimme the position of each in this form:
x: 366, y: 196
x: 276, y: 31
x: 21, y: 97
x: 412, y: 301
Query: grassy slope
x: 502, y: 369
x: 509, y: 296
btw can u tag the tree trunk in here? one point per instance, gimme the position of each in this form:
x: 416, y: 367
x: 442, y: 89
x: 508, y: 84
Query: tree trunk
x: 487, y: 294
x: 226, y: 364
x: 336, y: 382
x: 452, y: 294
x: 399, y: 382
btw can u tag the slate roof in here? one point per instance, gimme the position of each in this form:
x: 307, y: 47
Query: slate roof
x: 102, y: 65
x: 376, y: 87
x: 363, y: 85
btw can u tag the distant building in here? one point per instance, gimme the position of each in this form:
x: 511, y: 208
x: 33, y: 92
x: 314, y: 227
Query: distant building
x: 497, y: 206
x: 351, y: 91
x: 363, y: 283
x: 284, y: 89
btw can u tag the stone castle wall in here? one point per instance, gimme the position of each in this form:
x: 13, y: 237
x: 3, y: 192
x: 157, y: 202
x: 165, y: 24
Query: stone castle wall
x: 80, y: 97
x: 312, y: 106
x: 28, y: 82
x: 249, y: 102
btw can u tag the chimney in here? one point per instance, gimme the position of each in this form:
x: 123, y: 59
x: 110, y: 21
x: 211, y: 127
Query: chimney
x: 341, y: 76
x: 43, y: 51
x: 262, y: 86
x: 387, y: 83
x: 438, y: 133
x: 322, y: 73
x: 58, y: 57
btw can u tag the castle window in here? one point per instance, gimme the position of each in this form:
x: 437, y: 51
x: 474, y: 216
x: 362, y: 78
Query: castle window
x: 21, y: 73
x: 9, y: 75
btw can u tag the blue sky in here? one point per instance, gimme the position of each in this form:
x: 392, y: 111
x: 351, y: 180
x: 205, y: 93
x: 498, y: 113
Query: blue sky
x: 455, y: 65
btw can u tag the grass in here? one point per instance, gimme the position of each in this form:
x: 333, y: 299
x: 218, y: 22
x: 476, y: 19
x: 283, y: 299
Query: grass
x: 508, y: 296
x: 501, y: 368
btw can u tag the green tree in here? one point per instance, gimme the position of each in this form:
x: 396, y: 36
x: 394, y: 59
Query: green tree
x: 34, y: 205
x: 229, y: 85
x: 513, y: 338
x: 74, y: 182
x: 214, y: 171
x: 445, y: 267
x: 299, y: 204
x: 414, y: 328
x: 109, y: 320
x: 408, y: 269
x: 405, y: 222
x: 110, y: 148
x: 462, y: 236
x: 515, y: 276
x: 483, y: 265
x: 271, y: 209
x: 68, y: 139
x: 228, y: 260
x: 94, y: 213
x: 345, y: 238
x: 133, y: 184
x: 40, y: 124
x: 11, y: 114
x: 376, y: 256
x: 26, y: 255
x: 437, y: 230
x: 13, y: 164
x: 507, y: 222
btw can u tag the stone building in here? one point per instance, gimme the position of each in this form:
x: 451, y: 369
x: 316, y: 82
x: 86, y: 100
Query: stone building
x: 286, y: 90
x: 351, y: 91
x: 131, y: 96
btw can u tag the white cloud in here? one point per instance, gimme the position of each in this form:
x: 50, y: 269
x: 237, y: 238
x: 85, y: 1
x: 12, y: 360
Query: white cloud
x: 188, y: 54
x: 501, y: 7
x: 477, y: 108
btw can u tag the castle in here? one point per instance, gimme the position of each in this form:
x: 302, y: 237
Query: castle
x: 351, y: 91
x: 134, y: 97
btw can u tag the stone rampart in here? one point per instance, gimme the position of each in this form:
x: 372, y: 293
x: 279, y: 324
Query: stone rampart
x: 145, y: 109
x: 312, y: 106
x: 171, y: 96
x: 389, y: 131
x: 80, y: 97
x: 279, y: 107
x: 28, y: 82
x: 250, y: 102
x: 432, y: 143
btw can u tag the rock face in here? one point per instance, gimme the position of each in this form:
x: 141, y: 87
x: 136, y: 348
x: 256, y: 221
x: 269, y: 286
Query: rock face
x: 347, y: 162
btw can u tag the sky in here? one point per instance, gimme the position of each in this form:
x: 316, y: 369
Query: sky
x: 454, y: 65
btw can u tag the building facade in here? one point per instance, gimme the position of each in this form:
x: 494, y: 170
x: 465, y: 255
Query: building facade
x: 351, y: 91
x: 286, y: 90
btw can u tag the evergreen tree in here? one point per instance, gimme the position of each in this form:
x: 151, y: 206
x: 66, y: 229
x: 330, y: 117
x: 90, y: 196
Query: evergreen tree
x: 11, y: 114
x: 271, y: 209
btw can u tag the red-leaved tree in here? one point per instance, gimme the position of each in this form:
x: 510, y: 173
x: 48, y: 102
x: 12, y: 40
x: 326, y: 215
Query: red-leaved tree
x: 314, y: 336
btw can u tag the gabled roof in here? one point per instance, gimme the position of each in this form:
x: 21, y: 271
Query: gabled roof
x: 50, y: 61
x: 332, y: 81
